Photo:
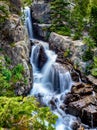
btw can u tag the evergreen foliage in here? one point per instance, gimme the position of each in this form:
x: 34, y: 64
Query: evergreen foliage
x: 15, y: 114
x: 94, y: 69
x: 59, y: 16
x: 88, y: 54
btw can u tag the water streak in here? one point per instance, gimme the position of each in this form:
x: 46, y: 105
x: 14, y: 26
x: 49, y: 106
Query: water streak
x: 28, y: 22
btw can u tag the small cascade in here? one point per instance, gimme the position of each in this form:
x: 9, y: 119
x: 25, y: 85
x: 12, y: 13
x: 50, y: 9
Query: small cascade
x: 34, y: 57
x: 60, y: 78
x: 28, y: 22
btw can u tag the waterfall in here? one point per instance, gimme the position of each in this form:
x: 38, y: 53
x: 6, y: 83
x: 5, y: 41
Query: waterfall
x: 28, y: 22
x: 50, y: 81
x: 54, y: 76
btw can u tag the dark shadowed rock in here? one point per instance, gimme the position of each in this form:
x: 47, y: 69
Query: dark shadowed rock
x: 41, y: 30
x: 75, y: 125
x: 90, y: 115
x: 42, y: 58
x: 75, y: 76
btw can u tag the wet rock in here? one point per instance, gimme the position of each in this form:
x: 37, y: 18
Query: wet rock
x: 75, y: 125
x: 41, y: 30
x: 53, y: 103
x: 68, y: 98
x: 42, y: 58
x: 63, y: 107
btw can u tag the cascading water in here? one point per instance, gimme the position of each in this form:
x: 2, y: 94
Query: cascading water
x: 28, y: 22
x: 51, y: 81
x: 60, y: 78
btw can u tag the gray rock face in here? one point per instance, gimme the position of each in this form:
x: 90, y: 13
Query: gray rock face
x: 41, y: 18
x: 76, y: 49
x: 15, y: 43
x: 19, y: 54
x: 13, y: 30
x: 41, y: 30
x: 41, y: 11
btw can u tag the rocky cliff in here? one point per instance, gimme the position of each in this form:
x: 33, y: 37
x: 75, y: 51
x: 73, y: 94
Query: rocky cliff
x: 41, y: 18
x: 15, y: 45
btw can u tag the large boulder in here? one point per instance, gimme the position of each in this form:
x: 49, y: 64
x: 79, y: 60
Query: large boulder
x: 65, y: 46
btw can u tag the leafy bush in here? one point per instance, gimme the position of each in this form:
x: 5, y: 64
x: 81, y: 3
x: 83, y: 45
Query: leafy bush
x: 88, y: 54
x: 15, y: 113
x: 4, y: 13
x: 59, y: 14
x: 93, y: 22
x: 9, y: 78
x: 93, y: 32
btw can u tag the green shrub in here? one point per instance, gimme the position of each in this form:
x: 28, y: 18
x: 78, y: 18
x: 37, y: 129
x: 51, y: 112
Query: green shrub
x: 7, y: 59
x: 60, y: 13
x: 77, y: 35
x: 93, y: 32
x: 19, y: 113
x: 18, y: 69
x: 67, y: 53
x: 90, y: 44
x: 94, y: 69
x: 7, y: 74
x: 88, y: 55
x: 9, y: 78
x: 4, y: 13
x: 94, y: 72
